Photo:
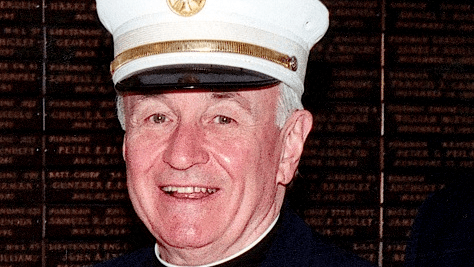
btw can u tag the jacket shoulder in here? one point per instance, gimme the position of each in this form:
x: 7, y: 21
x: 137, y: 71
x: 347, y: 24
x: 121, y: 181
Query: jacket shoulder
x: 297, y: 245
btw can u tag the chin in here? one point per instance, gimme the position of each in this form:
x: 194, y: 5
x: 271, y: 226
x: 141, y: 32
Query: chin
x: 187, y: 238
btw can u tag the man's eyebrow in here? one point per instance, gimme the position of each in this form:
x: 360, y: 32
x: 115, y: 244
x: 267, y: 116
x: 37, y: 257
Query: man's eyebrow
x: 143, y: 98
x: 242, y: 101
x: 151, y: 97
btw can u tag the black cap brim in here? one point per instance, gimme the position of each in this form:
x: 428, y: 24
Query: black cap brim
x: 197, y: 76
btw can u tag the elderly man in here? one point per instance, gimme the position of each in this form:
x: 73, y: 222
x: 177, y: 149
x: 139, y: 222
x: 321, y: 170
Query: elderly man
x: 210, y: 99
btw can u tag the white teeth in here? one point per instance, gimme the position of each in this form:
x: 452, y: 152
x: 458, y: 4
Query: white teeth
x: 188, y: 190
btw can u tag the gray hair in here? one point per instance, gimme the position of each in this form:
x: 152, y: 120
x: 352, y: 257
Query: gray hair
x: 288, y: 102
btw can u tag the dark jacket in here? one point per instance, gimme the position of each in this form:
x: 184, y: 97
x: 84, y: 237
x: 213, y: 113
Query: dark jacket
x: 290, y: 243
x: 443, y: 232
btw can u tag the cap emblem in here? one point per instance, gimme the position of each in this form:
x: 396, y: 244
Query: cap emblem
x: 186, y: 8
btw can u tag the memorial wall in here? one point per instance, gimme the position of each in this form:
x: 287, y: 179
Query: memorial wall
x: 391, y: 87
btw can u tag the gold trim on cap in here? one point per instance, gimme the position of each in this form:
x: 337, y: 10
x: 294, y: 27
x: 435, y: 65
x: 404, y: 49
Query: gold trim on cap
x: 208, y: 46
x: 186, y: 8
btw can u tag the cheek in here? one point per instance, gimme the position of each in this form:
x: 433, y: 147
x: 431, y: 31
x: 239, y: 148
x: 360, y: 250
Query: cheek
x: 142, y: 152
x: 233, y: 152
x: 250, y: 154
x: 140, y: 145
x: 141, y: 157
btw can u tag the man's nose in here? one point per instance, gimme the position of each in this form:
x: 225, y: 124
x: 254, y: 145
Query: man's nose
x: 186, y: 148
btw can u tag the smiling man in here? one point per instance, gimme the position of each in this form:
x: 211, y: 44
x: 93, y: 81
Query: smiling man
x: 201, y: 176
x: 209, y: 96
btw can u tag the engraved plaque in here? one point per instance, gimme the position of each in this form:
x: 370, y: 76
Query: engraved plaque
x: 20, y: 150
x: 409, y: 190
x: 355, y: 84
x: 430, y: 51
x: 348, y: 48
x: 84, y: 73
x: 344, y: 222
x: 81, y: 44
x: 84, y: 150
x: 20, y: 11
x: 354, y: 15
x: 19, y: 113
x: 415, y: 84
x: 90, y: 221
x: 451, y: 128
x: 86, y: 186
x: 23, y: 42
x: 366, y: 250
x: 79, y: 78
x: 345, y: 118
x: 336, y: 188
x: 342, y: 152
x: 431, y: 119
x: 394, y: 253
x: 432, y: 17
x: 71, y: 12
x: 398, y: 221
x: 20, y: 77
x: 412, y: 153
x: 22, y: 254
x: 84, y: 253
x: 20, y: 187
x: 18, y: 223
x: 86, y: 114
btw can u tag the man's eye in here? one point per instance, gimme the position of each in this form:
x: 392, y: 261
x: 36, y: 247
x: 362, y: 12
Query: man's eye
x: 159, y: 118
x: 223, y: 120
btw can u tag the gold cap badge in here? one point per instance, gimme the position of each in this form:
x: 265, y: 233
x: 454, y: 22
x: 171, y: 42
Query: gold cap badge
x: 186, y: 8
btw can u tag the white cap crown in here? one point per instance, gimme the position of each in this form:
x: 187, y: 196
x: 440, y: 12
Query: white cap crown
x: 270, y: 37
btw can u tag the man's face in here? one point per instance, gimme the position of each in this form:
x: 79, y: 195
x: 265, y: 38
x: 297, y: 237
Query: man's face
x: 202, y: 166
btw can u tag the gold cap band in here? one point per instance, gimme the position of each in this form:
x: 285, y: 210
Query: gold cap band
x: 208, y: 46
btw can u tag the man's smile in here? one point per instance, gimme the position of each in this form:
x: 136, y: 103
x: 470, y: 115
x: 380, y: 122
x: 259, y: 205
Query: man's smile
x: 189, y: 191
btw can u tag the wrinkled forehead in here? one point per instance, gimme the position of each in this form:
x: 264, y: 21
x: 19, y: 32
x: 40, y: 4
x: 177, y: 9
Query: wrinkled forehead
x: 263, y: 98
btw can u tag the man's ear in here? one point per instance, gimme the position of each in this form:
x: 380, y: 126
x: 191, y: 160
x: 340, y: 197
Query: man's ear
x: 294, y: 134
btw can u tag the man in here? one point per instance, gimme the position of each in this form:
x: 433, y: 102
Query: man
x: 210, y: 99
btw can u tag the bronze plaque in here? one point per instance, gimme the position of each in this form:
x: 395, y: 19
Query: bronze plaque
x: 20, y: 151
x: 83, y: 44
x: 17, y: 222
x: 21, y: 11
x: 79, y: 78
x: 86, y: 186
x: 89, y: 221
x: 394, y: 253
x: 17, y: 253
x: 352, y: 16
x: 84, y: 150
x: 83, y: 253
x: 20, y: 78
x: 20, y: 113
x: 87, y: 114
x: 340, y: 152
x: 21, y: 42
x: 20, y: 187
x: 71, y: 12
x: 344, y: 222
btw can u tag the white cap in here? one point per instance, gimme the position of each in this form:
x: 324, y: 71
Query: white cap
x: 193, y: 43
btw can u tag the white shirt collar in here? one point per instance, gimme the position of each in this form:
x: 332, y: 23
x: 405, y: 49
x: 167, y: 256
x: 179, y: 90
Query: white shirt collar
x: 157, y: 253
